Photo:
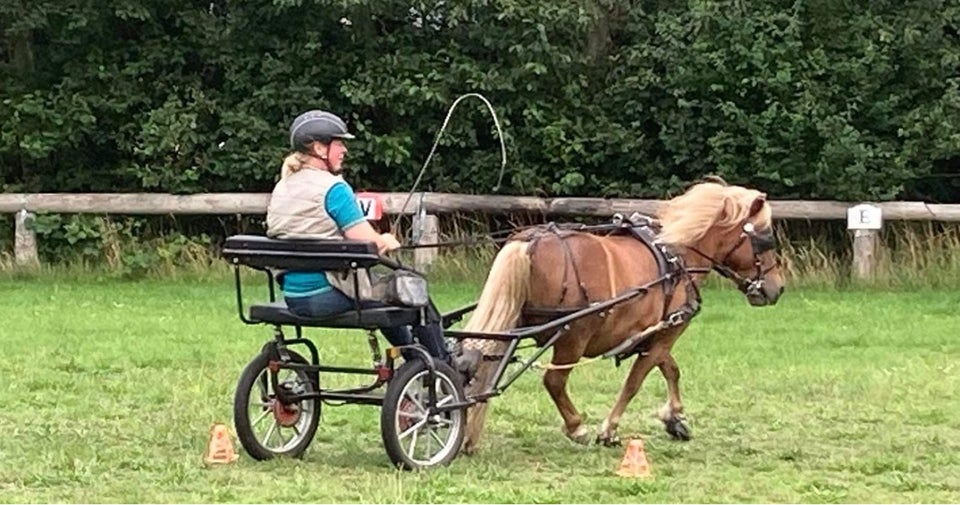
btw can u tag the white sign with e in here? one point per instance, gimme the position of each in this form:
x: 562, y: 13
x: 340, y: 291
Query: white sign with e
x: 864, y: 217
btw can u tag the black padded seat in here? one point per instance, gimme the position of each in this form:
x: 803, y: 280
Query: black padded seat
x: 277, y: 313
x: 312, y: 255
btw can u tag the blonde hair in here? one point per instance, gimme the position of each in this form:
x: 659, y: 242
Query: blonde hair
x: 687, y: 218
x: 294, y: 162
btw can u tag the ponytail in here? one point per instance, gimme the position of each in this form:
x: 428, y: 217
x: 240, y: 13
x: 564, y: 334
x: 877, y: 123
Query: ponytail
x: 294, y: 162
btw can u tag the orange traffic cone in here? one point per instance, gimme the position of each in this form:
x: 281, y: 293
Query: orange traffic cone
x: 634, y: 463
x: 220, y: 448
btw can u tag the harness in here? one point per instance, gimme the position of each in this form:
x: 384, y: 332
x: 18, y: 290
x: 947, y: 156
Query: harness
x: 562, y: 234
x: 671, y: 272
x: 671, y: 267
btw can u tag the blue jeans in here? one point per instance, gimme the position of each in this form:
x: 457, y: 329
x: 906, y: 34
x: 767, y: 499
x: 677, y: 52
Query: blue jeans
x: 334, y: 301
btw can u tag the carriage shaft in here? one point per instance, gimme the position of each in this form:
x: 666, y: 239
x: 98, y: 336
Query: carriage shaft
x: 530, y: 331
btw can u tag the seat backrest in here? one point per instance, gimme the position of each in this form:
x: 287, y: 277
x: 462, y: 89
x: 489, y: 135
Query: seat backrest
x: 313, y: 255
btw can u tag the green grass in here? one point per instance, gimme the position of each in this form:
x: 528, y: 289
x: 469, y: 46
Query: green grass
x: 110, y: 389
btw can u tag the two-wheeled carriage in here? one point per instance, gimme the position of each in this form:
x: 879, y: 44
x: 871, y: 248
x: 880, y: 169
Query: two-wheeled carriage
x: 277, y: 404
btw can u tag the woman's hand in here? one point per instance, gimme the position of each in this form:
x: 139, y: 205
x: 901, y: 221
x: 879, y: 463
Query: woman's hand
x: 387, y: 243
x: 364, y: 231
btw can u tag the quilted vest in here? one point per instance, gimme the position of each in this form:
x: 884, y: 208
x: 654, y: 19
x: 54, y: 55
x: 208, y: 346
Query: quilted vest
x: 296, y: 211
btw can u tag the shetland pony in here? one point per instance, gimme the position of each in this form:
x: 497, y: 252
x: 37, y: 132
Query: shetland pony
x: 712, y: 226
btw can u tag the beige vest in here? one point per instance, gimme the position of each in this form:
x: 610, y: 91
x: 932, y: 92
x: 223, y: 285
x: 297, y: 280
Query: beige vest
x: 296, y: 211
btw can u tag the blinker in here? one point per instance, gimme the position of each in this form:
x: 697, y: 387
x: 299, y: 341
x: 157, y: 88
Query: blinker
x: 762, y: 241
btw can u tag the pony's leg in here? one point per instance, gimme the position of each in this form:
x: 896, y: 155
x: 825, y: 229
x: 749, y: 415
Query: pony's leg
x: 672, y: 412
x: 638, y: 372
x: 556, y: 383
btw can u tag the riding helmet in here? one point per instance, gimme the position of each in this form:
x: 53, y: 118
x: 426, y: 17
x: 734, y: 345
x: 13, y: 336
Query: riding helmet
x: 317, y: 126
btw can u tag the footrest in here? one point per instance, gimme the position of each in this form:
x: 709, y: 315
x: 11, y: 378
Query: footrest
x: 277, y: 313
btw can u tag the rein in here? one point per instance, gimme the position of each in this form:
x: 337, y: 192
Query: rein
x: 742, y: 282
x: 760, y: 243
x: 469, y: 241
x: 502, y: 236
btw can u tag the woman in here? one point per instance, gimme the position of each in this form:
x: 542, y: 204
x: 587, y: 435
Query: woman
x: 313, y: 201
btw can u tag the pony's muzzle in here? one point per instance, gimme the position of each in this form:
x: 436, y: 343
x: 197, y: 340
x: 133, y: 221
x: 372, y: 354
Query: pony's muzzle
x: 760, y: 293
x: 772, y: 293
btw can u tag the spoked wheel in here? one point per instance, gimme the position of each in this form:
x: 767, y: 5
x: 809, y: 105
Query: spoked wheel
x: 266, y: 426
x: 412, y: 437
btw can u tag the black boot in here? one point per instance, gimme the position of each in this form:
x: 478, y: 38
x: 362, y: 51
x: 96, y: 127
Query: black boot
x: 467, y: 362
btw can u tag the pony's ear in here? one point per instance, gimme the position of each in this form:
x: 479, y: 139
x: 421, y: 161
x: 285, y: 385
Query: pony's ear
x: 729, y: 211
x: 757, y: 204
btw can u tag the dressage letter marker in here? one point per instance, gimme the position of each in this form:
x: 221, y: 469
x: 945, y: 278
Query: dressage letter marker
x: 865, y: 220
x: 371, y: 205
x: 864, y: 217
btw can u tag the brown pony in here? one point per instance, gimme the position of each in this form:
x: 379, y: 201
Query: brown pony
x: 713, y: 226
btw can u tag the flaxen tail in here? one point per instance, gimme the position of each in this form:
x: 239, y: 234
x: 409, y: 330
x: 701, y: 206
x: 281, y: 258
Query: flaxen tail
x: 498, y: 309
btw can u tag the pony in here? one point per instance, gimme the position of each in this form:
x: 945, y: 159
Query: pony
x: 548, y: 270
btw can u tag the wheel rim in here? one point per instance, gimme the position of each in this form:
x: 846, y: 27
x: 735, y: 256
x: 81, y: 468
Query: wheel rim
x: 425, y: 439
x: 277, y: 427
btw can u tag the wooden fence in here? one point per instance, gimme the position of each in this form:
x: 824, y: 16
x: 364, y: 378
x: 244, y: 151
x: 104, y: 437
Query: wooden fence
x: 865, y: 221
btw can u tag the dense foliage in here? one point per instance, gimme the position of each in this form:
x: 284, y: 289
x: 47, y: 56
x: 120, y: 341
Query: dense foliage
x: 816, y: 99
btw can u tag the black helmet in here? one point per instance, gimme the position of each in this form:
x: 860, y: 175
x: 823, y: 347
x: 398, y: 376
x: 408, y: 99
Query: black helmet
x: 317, y: 125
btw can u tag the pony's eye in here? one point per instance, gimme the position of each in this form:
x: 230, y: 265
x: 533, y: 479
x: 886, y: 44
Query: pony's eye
x: 748, y: 228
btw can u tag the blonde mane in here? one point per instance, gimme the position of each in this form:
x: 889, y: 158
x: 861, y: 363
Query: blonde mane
x: 686, y: 219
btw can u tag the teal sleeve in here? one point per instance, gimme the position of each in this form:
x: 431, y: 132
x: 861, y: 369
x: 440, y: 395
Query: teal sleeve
x: 342, y: 206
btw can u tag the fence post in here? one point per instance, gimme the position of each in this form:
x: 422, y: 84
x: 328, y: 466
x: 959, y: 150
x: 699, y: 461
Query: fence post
x: 866, y: 221
x: 24, y: 240
x: 429, y: 227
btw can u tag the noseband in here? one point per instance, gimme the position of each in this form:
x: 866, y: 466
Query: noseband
x: 760, y: 242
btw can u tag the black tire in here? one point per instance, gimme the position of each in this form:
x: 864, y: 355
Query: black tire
x: 255, y: 379
x: 403, y: 409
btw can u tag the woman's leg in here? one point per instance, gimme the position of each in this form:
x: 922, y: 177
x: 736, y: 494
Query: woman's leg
x: 333, y: 302
x: 431, y: 336
x: 396, y: 335
x: 320, y: 305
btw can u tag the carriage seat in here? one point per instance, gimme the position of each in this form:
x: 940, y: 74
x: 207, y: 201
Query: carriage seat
x: 277, y: 313
x: 288, y: 254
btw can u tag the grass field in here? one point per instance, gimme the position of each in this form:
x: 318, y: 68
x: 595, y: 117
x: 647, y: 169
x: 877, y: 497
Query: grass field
x: 110, y: 389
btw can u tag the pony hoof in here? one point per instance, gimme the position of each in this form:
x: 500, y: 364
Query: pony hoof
x: 580, y: 436
x: 609, y: 441
x: 677, y: 429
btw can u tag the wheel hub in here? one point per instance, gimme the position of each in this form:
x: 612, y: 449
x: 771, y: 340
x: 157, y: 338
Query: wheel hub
x: 405, y: 422
x: 286, y: 415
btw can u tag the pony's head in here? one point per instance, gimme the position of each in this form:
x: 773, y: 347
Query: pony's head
x: 732, y: 227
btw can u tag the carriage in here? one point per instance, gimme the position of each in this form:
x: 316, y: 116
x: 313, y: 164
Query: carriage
x: 424, y: 402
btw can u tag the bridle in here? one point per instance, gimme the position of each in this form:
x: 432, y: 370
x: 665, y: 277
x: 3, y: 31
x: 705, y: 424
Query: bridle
x: 761, y: 241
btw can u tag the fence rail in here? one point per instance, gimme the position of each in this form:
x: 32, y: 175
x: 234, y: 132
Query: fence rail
x: 433, y: 203
x: 24, y: 205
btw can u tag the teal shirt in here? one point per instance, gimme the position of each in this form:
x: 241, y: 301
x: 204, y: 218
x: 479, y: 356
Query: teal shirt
x: 341, y: 206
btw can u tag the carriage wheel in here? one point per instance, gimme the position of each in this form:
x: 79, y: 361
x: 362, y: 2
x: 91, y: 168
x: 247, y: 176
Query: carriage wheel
x: 266, y: 426
x: 413, y: 438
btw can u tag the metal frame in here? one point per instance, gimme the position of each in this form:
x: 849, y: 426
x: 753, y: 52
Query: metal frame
x: 383, y: 370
